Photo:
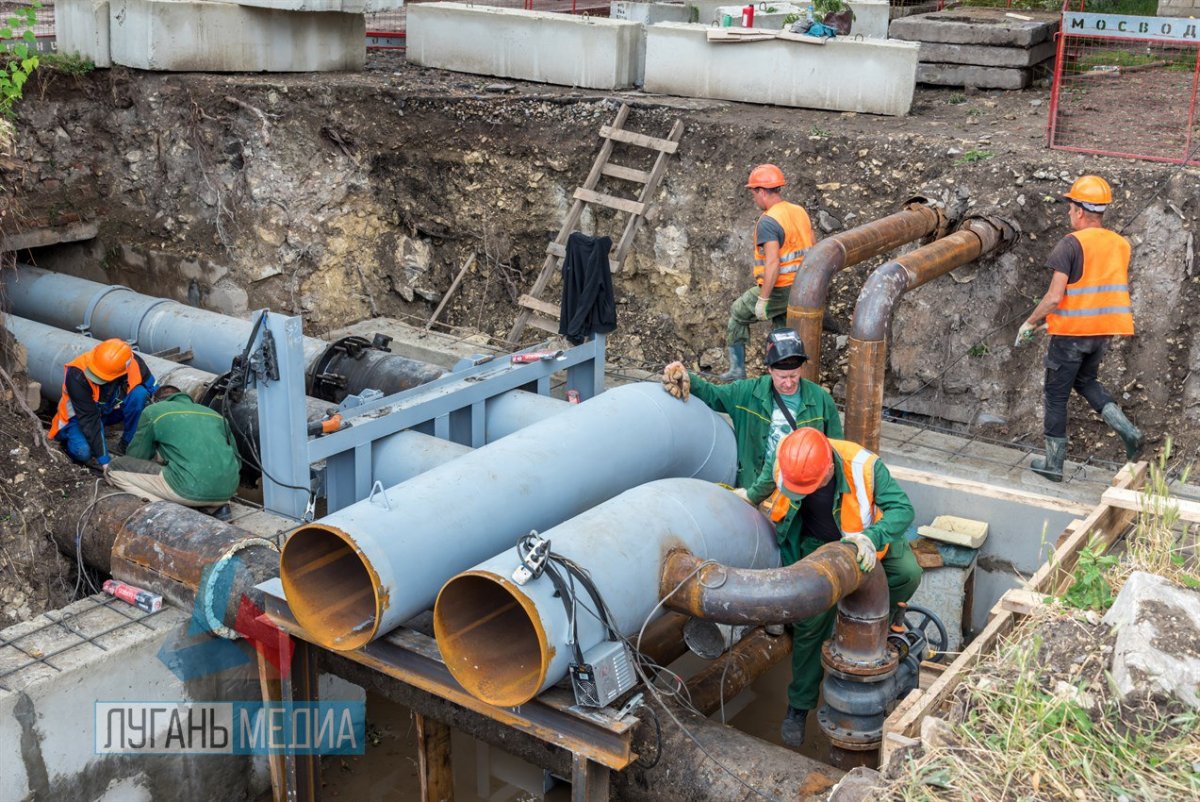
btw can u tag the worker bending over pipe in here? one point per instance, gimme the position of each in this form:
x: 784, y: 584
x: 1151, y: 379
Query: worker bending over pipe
x: 826, y: 491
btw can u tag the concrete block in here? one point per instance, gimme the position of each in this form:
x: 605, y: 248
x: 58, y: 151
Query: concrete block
x: 872, y: 76
x: 202, y: 36
x: 977, y: 26
x: 968, y: 75
x: 81, y: 27
x: 649, y: 13
x: 47, y: 719
x: 985, y: 56
x: 341, y: 6
x: 1158, y: 625
x: 589, y: 52
x: 943, y: 591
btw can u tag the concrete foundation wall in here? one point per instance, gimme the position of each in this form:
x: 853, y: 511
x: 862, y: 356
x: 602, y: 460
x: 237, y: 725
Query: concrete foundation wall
x: 47, y: 724
x: 193, y: 35
x: 588, y: 52
x: 81, y: 27
x: 870, y: 76
x: 1022, y: 530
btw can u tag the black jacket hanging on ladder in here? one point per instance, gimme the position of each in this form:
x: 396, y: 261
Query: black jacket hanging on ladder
x: 588, y: 306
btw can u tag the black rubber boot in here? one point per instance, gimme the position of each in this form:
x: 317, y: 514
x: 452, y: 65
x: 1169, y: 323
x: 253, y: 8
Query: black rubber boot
x: 792, y: 731
x: 1052, y: 466
x: 737, y: 363
x: 1129, y: 434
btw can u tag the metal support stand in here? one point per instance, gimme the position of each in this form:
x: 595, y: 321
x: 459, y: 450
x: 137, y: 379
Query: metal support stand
x: 278, y: 368
x: 294, y: 778
x: 589, y: 780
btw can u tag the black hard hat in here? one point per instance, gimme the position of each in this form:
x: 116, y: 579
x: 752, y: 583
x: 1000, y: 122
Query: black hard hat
x: 784, y: 345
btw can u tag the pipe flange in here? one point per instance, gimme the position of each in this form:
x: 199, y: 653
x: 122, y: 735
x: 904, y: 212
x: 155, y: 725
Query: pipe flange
x: 839, y: 665
x: 85, y: 328
x: 137, y: 327
x: 325, y: 384
x: 850, y: 740
x: 206, y: 596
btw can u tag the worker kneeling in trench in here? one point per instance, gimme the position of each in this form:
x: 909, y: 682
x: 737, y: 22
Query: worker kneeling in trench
x: 197, y: 462
x: 825, y: 491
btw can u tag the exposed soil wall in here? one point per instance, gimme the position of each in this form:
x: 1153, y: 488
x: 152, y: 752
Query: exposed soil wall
x: 344, y: 196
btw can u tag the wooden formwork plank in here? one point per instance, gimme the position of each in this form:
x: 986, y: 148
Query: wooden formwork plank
x: 433, y: 760
x: 1135, y: 501
x: 1103, y: 525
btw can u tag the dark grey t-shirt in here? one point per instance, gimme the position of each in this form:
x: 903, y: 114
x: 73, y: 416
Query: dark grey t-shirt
x: 768, y: 229
x: 1067, y: 257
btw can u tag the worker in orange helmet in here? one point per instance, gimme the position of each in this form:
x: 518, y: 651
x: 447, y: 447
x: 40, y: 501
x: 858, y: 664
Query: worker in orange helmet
x: 106, y: 385
x: 782, y: 235
x: 827, y: 491
x: 1087, y: 304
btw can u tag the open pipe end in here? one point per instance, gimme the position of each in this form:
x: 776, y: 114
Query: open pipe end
x: 491, y: 638
x: 331, y: 588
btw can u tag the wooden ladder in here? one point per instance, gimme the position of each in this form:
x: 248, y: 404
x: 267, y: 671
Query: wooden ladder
x: 543, y: 314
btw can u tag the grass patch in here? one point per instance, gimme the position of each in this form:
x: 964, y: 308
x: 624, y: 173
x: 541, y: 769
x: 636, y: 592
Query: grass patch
x: 817, y: 130
x: 67, y: 64
x: 974, y: 155
x: 957, y: 99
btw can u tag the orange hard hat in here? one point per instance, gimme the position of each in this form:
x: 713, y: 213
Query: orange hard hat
x: 1091, y: 192
x: 110, y: 359
x: 804, y: 458
x: 766, y: 176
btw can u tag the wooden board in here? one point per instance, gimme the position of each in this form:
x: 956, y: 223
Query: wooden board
x: 1135, y: 501
x: 545, y: 307
x: 1103, y: 525
x: 610, y: 201
x: 641, y: 140
x: 737, y: 35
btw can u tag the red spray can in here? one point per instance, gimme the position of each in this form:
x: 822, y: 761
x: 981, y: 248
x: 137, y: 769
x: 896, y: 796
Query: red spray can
x: 748, y: 16
x: 141, y: 599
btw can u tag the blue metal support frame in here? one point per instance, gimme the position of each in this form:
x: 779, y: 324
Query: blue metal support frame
x: 451, y: 408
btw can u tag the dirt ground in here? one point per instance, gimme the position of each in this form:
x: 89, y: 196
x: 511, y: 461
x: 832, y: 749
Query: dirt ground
x: 345, y: 196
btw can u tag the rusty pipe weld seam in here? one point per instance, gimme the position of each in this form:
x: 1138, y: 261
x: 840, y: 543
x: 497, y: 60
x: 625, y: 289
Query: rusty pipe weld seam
x: 762, y: 596
x: 809, y: 293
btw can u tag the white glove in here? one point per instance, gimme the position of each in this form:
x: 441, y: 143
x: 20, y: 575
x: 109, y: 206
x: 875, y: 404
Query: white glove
x: 741, y: 493
x: 866, y: 556
x: 1025, y: 334
x: 676, y: 381
x: 760, y: 308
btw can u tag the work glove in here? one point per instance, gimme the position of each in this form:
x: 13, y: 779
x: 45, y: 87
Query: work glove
x: 760, y: 308
x: 676, y: 381
x: 866, y: 556
x: 1025, y: 334
x: 741, y: 493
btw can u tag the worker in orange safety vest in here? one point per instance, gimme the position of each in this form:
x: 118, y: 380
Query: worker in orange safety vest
x: 1088, y: 303
x: 782, y: 236
x: 826, y: 491
x: 107, y: 385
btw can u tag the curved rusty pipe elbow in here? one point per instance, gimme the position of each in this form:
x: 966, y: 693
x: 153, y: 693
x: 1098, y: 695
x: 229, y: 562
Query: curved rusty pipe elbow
x: 810, y: 291
x: 877, y: 301
x: 727, y: 595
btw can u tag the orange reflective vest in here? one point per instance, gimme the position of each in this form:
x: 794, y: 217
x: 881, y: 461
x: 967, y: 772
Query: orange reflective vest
x: 797, y: 239
x: 1098, y: 303
x: 858, y: 503
x: 66, y: 410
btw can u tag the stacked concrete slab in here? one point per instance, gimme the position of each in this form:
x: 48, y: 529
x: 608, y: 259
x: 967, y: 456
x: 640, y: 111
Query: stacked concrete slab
x: 986, y: 48
x: 219, y: 35
x: 872, y: 75
x: 564, y: 49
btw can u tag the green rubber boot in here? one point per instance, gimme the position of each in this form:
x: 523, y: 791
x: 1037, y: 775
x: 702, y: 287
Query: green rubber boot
x: 737, y: 363
x: 1052, y: 466
x: 1129, y: 434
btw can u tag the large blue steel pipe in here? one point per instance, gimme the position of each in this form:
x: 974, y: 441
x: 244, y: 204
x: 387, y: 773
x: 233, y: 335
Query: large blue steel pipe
x: 358, y: 573
x: 394, y: 458
x: 159, y: 324
x: 506, y: 643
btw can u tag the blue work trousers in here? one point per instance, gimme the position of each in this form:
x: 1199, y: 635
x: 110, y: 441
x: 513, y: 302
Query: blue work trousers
x: 128, y: 414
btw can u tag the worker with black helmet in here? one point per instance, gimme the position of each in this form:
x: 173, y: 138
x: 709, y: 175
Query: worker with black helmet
x: 1088, y: 303
x: 765, y: 409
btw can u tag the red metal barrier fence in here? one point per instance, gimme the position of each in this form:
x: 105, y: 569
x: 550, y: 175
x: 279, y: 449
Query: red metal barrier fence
x: 1126, y: 86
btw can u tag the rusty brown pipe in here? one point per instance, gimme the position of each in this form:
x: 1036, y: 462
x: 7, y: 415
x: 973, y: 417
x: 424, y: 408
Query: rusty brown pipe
x: 187, y: 557
x: 737, y: 669
x: 976, y: 237
x: 806, y: 303
x: 759, y: 596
